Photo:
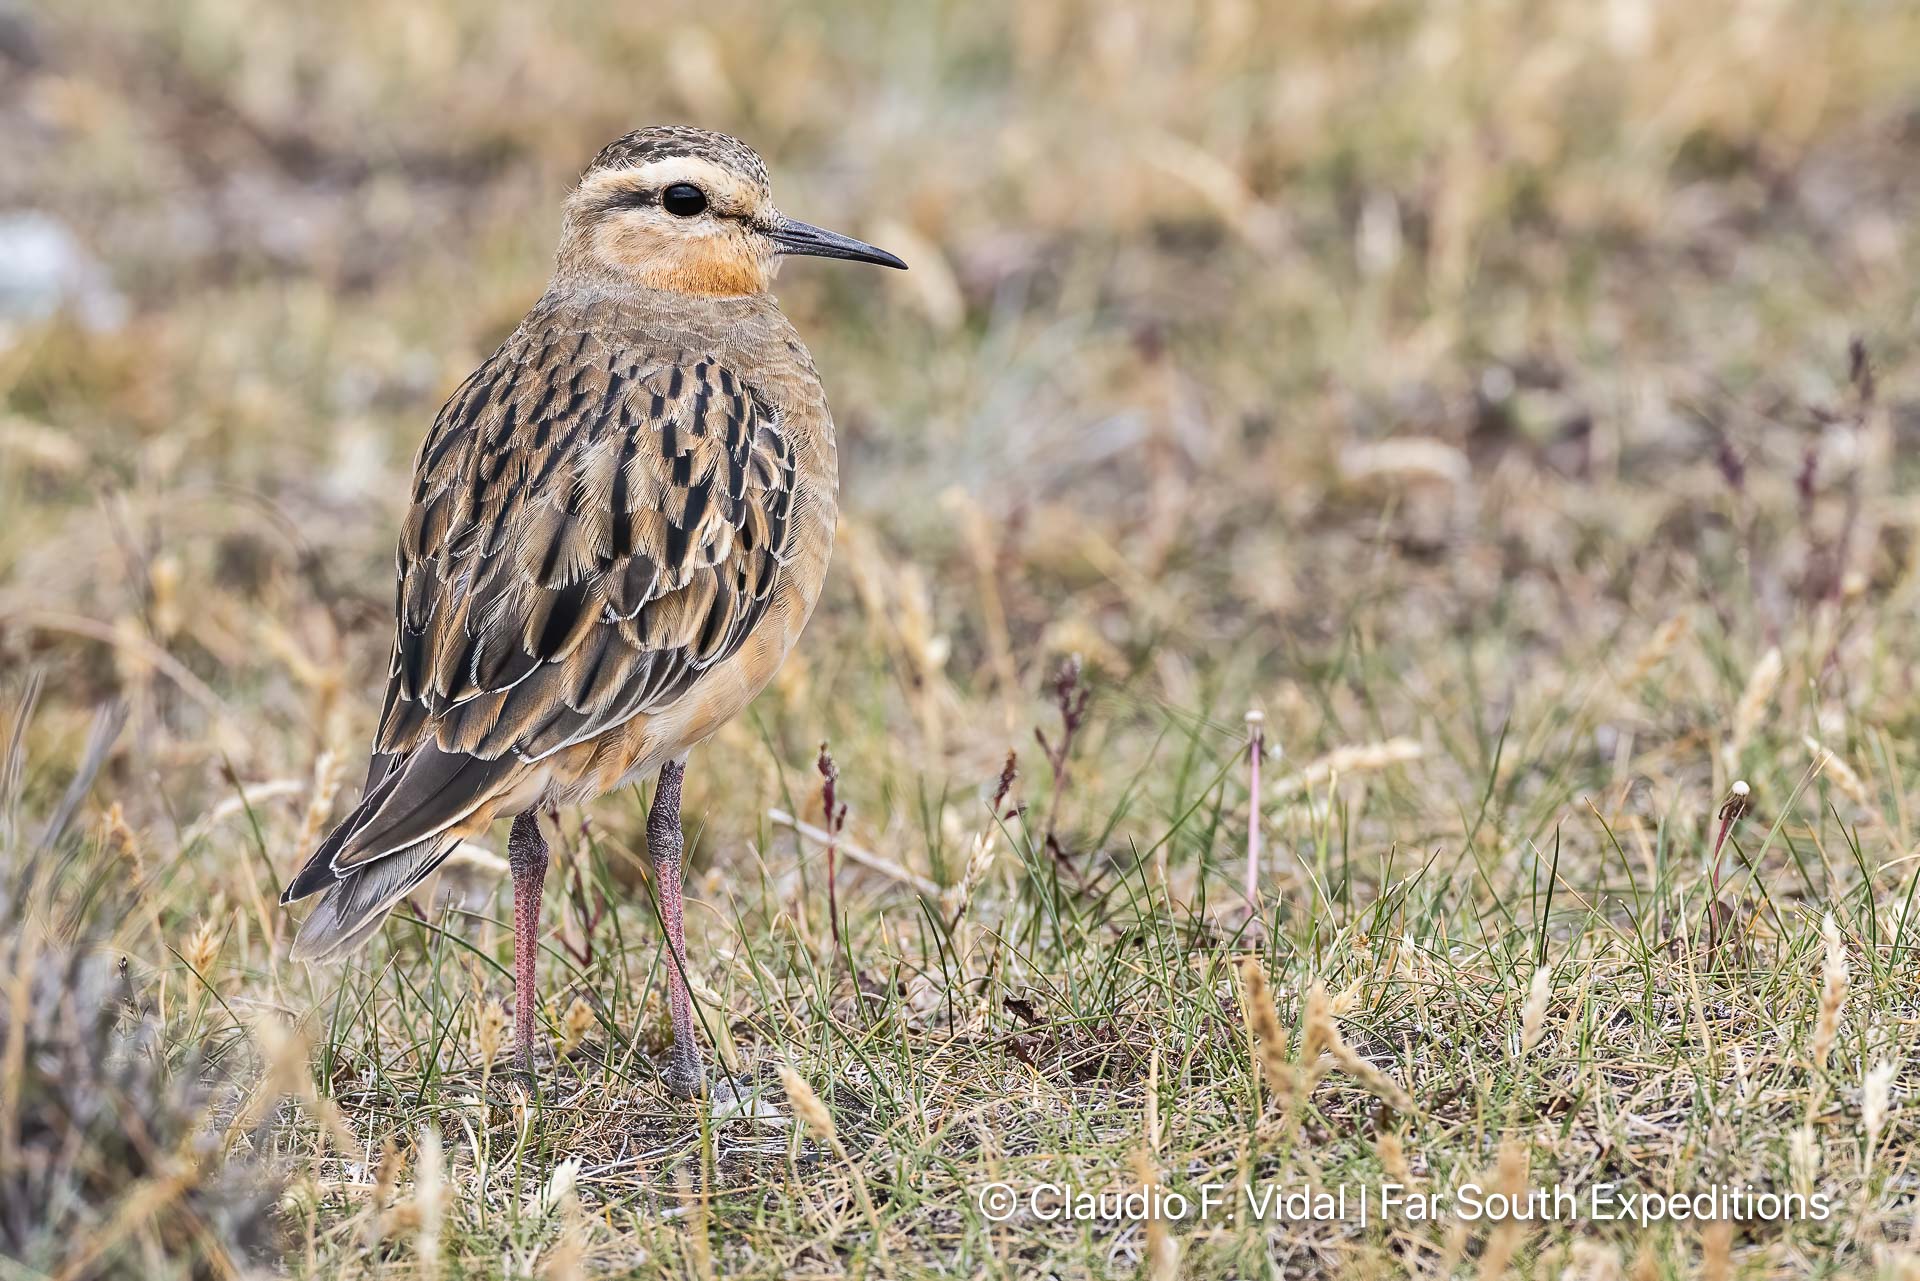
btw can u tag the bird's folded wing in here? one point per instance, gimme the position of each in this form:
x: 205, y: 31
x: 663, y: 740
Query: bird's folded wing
x: 586, y: 537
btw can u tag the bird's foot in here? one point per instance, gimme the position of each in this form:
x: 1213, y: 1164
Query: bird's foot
x: 684, y: 1076
x: 743, y: 1098
x: 525, y: 1073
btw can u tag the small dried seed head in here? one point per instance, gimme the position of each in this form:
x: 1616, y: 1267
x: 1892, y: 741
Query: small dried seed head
x: 202, y: 948
x: 430, y: 1201
x: 326, y: 782
x: 1835, y: 767
x: 1716, y: 1250
x: 1655, y: 651
x: 490, y: 1030
x: 1323, y: 1037
x: 807, y: 1105
x: 1376, y: 1082
x: 1320, y: 1034
x: 1393, y: 1158
x: 1762, y: 682
x: 1342, y: 761
x: 122, y: 840
x: 1876, y: 1097
x: 549, y: 1199
x: 574, y: 1025
x: 1533, y: 1017
x: 1833, y: 993
x: 1592, y: 1261
x: 387, y: 1175
x: 1163, y: 1252
x: 386, y: 1178
x: 1270, y: 1038
x: 1803, y: 1157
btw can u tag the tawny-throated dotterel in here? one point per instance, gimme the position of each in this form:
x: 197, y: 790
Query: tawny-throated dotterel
x: 620, y: 523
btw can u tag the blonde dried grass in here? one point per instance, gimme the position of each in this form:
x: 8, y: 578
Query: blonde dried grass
x: 1762, y: 683
x: 547, y: 1200
x: 430, y: 1202
x: 386, y: 1179
x: 574, y: 1025
x: 1269, y: 1037
x: 1665, y: 639
x: 489, y: 1035
x: 698, y: 1240
x: 566, y: 1261
x: 1162, y: 1250
x: 1362, y: 758
x: 1392, y: 1151
x: 1323, y: 1037
x: 957, y: 898
x: 1841, y: 774
x: 121, y: 839
x: 201, y: 949
x: 814, y: 1115
x: 1803, y: 1158
x: 1833, y: 995
x: 1510, y: 1178
x: 284, y: 1049
x: 1592, y: 1261
x: 1533, y: 1015
x: 1716, y: 1250
x: 326, y: 785
x: 1876, y: 1100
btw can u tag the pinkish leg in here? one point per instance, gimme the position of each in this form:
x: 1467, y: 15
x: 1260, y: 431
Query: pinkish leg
x: 665, y: 844
x: 527, y: 857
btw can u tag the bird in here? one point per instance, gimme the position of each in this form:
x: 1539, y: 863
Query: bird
x: 618, y: 526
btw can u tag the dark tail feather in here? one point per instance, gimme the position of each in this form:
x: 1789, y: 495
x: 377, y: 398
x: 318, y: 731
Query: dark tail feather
x: 359, y: 901
x: 422, y: 795
x: 394, y: 838
x: 317, y: 874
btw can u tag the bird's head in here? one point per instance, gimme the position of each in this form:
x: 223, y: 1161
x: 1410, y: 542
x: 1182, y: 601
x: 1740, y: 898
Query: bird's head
x: 691, y: 212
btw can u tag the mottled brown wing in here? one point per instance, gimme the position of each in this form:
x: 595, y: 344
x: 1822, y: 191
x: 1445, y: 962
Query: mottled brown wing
x: 590, y: 530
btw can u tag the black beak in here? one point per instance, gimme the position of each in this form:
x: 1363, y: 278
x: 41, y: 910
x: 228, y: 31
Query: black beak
x: 804, y: 238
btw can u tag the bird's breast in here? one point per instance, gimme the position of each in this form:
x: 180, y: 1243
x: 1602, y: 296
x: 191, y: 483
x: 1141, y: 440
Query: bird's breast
x: 760, y: 349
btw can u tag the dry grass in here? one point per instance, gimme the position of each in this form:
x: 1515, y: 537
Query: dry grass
x: 1467, y: 388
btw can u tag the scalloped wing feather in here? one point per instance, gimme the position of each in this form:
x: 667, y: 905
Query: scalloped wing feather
x: 590, y: 530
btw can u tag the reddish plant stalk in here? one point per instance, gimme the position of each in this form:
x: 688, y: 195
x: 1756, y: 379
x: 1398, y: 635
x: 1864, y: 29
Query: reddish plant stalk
x: 833, y: 820
x: 1737, y: 803
x: 1070, y: 697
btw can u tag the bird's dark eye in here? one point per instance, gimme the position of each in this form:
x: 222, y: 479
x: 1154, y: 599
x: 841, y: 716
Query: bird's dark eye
x: 684, y: 200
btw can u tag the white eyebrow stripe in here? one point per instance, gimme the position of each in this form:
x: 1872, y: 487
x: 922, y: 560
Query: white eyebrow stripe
x: 735, y: 193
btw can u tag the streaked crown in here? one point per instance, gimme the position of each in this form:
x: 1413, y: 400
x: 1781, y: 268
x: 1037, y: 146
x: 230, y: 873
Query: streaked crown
x: 665, y: 142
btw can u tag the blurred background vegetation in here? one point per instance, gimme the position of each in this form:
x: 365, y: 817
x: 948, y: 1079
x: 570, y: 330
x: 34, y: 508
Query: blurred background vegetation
x: 1520, y: 383
x: 1234, y: 330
